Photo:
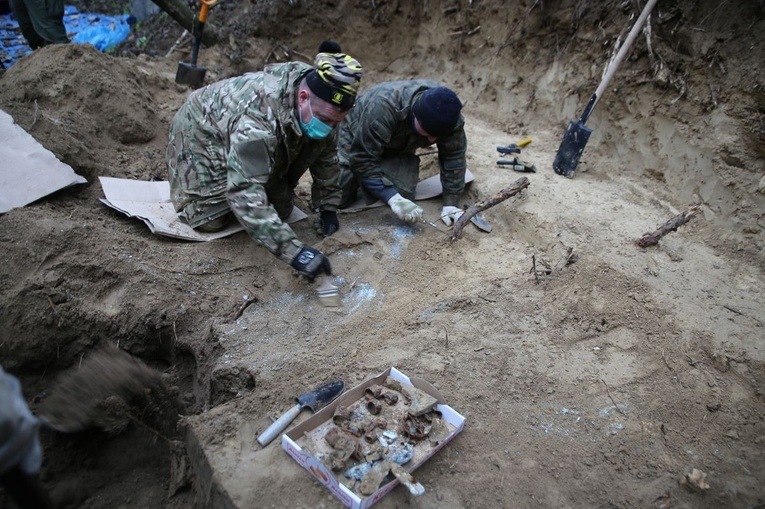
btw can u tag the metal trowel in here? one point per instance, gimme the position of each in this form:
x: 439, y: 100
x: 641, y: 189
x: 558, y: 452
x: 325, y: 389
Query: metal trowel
x: 481, y: 223
x: 478, y: 220
x: 314, y: 401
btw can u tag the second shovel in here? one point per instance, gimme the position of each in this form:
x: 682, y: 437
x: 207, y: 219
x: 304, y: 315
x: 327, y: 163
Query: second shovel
x: 314, y: 401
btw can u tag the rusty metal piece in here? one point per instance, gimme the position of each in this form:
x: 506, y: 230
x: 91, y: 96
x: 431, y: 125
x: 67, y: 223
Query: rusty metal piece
x: 374, y: 406
x: 370, y: 436
x: 390, y: 397
x: 343, y: 447
x: 380, y: 422
x: 414, y: 428
x: 373, y: 391
x: 342, y: 414
x: 332, y: 436
x: 390, y: 383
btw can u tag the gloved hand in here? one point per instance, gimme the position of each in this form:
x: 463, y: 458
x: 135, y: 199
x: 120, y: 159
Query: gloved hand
x: 450, y: 214
x: 329, y: 223
x: 310, y: 263
x: 405, y: 209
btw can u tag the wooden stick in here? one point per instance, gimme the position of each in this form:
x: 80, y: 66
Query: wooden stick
x: 518, y: 186
x: 672, y: 225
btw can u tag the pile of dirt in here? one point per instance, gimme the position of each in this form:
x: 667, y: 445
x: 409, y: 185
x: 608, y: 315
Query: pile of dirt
x: 603, y: 383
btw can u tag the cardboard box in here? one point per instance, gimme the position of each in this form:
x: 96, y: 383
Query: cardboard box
x: 325, y: 476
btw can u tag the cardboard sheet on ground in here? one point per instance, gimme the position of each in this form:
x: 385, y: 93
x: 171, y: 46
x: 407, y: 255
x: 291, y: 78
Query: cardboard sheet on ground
x: 30, y: 171
x: 150, y: 202
x: 425, y: 190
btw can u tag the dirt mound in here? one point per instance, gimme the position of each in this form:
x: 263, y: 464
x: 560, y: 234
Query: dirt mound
x: 100, y: 393
x: 83, y: 105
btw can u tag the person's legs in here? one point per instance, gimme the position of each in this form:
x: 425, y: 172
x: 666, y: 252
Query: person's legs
x: 197, y: 193
x: 47, y: 17
x: 401, y: 171
x: 25, y: 24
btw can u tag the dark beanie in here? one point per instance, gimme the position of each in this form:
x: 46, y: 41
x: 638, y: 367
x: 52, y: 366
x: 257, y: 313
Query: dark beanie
x: 438, y: 111
x: 329, y: 47
x: 336, y: 78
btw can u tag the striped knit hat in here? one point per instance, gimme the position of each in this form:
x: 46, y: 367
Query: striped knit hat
x: 336, y: 79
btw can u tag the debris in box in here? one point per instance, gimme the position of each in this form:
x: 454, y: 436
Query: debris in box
x: 370, y: 442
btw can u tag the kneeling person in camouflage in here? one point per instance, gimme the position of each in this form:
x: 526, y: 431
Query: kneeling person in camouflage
x: 239, y: 146
x: 378, y: 140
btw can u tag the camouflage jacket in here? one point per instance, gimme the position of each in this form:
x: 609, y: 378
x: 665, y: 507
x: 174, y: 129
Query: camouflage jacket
x: 381, y: 123
x: 237, y: 145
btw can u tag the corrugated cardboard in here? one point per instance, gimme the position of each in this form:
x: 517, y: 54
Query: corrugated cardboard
x: 325, y: 476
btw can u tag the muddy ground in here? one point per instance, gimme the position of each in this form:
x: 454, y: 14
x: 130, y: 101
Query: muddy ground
x: 601, y: 385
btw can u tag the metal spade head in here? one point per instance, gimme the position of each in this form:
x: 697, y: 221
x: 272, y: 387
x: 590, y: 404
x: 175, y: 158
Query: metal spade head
x: 571, y: 148
x: 321, y: 396
x: 190, y: 74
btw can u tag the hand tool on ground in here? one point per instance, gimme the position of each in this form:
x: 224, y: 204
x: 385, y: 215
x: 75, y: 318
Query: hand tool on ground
x: 513, y: 148
x: 314, y: 401
x: 517, y: 165
x: 576, y: 136
x: 189, y: 73
x: 480, y: 222
x: 328, y: 294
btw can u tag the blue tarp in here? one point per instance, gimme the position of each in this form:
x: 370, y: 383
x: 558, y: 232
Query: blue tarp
x: 101, y: 31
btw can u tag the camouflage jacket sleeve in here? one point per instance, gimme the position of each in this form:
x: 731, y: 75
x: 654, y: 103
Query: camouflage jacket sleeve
x: 373, y: 133
x: 451, y: 157
x: 249, y: 163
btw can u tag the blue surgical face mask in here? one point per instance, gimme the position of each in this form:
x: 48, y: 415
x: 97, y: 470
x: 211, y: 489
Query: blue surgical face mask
x: 315, y: 128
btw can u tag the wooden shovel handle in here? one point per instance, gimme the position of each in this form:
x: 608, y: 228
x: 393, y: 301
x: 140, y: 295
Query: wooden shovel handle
x: 623, y: 50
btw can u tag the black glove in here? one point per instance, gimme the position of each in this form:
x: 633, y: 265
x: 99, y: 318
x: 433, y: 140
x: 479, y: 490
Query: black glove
x: 310, y: 263
x: 329, y: 223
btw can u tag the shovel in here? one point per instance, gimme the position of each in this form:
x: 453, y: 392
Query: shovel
x: 314, y: 401
x: 577, y: 133
x: 190, y: 74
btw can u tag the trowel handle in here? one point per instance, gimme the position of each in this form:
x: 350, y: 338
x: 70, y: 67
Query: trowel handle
x: 278, y: 426
x: 206, y: 6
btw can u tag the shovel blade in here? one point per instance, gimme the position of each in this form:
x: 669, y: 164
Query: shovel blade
x: 321, y: 396
x: 189, y: 74
x: 481, y: 223
x: 571, y: 148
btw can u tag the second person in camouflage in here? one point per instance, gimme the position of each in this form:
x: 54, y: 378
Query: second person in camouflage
x: 379, y: 138
x: 239, y: 146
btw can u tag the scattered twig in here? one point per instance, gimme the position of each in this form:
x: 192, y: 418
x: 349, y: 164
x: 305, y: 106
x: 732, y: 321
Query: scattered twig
x: 608, y: 391
x: 177, y: 43
x: 447, y: 337
x: 732, y: 309
x: 452, y: 9
x: 250, y: 300
x: 534, y: 267
x: 674, y: 372
x: 518, y: 186
x: 670, y: 226
x: 702, y: 422
x: 34, y: 119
